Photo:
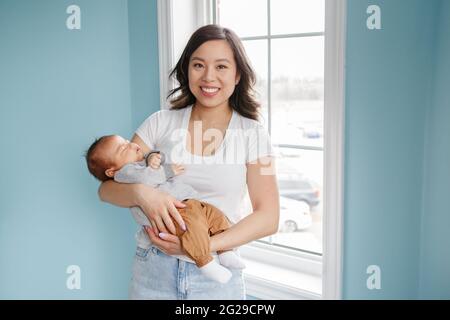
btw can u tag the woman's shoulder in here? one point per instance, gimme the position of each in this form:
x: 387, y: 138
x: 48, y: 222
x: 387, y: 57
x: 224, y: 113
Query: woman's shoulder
x: 247, y: 123
x: 159, y: 125
x: 162, y: 120
x: 168, y: 114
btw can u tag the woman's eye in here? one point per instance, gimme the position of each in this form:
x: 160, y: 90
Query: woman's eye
x: 221, y: 67
x: 197, y: 65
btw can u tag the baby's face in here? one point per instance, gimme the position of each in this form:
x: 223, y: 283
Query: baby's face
x: 121, y: 151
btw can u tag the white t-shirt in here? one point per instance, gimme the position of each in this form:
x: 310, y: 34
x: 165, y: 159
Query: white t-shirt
x: 220, y: 179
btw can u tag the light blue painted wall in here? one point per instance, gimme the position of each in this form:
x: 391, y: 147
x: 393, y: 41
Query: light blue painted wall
x: 435, y: 252
x: 60, y: 89
x: 388, y: 94
x: 144, y: 65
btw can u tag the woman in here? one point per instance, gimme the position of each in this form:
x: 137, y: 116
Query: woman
x: 214, y: 100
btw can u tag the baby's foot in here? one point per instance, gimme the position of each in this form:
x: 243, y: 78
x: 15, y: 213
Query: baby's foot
x: 230, y: 259
x: 216, y: 272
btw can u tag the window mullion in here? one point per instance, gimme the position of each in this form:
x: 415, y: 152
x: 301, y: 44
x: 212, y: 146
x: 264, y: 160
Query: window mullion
x: 298, y: 146
x: 284, y: 36
x: 214, y: 10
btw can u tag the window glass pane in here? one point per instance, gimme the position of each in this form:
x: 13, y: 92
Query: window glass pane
x: 297, y: 16
x: 257, y: 54
x: 300, y: 176
x: 184, y: 25
x: 245, y: 17
x: 297, y: 91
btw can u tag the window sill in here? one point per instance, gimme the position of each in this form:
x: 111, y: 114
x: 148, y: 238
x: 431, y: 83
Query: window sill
x: 274, y: 273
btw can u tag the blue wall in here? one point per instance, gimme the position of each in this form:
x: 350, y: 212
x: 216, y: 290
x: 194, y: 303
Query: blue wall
x: 59, y: 89
x: 435, y: 253
x: 144, y: 64
x: 389, y: 94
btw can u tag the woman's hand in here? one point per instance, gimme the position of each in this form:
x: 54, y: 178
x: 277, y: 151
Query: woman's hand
x: 167, y: 243
x: 159, y: 207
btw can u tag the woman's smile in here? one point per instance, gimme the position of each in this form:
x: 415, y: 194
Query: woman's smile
x: 209, y: 91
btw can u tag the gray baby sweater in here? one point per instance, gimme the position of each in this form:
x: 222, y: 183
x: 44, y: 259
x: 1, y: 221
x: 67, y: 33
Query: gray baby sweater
x: 161, y: 179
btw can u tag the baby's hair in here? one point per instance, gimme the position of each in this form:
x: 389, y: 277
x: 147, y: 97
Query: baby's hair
x: 96, y: 163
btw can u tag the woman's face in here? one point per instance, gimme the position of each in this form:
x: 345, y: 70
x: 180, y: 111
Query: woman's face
x: 213, y: 73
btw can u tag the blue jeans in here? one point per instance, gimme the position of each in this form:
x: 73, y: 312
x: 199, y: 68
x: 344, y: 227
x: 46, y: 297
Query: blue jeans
x: 160, y: 276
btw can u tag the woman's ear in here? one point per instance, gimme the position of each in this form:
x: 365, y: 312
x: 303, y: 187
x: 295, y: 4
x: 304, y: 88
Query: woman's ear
x: 110, y: 172
x: 238, y: 78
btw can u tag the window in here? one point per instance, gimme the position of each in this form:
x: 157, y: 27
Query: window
x: 297, y: 48
x: 285, y: 43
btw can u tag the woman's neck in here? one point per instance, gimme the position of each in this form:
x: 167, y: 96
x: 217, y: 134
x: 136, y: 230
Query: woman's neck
x: 211, y: 116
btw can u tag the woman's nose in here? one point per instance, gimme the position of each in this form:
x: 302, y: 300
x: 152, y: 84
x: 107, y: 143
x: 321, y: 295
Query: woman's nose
x: 209, y: 74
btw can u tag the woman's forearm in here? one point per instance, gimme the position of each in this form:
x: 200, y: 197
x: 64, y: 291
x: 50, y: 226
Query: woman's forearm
x: 255, y: 226
x: 120, y: 194
x: 158, y: 206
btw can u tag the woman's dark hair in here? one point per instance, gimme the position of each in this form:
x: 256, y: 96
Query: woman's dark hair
x: 242, y: 100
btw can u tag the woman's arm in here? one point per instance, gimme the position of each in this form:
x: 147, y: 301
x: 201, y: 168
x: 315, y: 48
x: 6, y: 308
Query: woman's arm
x: 158, y: 206
x: 120, y: 194
x: 263, y: 191
x: 263, y: 221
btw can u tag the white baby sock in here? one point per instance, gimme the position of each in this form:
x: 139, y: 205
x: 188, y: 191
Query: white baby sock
x: 230, y: 259
x: 215, y: 271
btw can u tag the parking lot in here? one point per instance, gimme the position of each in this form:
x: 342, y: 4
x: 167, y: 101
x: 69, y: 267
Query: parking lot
x: 306, y: 240
x: 299, y: 170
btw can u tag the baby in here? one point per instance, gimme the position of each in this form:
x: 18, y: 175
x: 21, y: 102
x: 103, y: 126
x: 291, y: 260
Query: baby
x: 113, y: 157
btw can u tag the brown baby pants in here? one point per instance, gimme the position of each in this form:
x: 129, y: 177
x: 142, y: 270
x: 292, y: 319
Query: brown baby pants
x: 202, y: 220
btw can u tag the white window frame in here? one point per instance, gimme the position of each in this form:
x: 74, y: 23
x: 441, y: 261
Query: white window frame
x: 167, y: 59
x: 334, y: 149
x: 322, y: 273
x: 165, y: 49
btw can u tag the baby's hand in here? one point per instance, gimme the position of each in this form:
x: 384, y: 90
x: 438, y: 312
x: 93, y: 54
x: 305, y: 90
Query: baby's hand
x: 177, y: 169
x: 155, y: 160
